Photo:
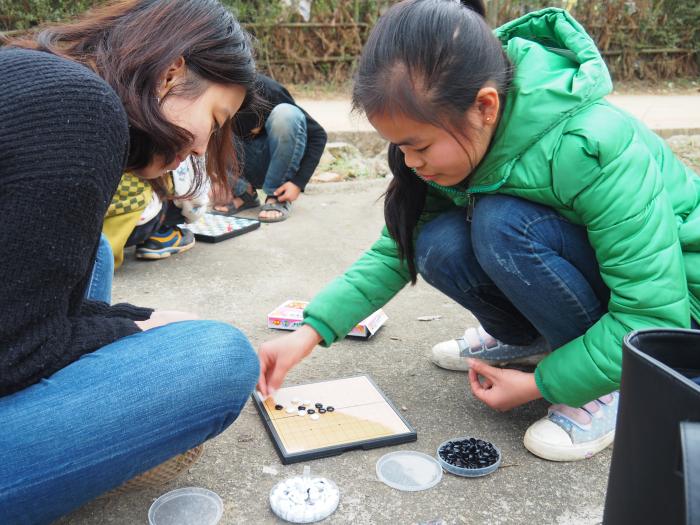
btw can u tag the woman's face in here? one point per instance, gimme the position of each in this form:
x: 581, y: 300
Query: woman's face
x: 436, y: 154
x: 201, y: 116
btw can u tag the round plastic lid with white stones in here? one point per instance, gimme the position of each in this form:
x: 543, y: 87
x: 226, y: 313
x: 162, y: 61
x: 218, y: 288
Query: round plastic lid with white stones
x: 304, y: 499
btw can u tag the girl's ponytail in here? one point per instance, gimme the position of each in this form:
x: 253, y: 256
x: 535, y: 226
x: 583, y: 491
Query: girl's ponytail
x: 403, y: 205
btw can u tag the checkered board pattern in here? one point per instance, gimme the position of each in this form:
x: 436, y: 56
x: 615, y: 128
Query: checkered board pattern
x: 216, y: 228
x: 363, y: 418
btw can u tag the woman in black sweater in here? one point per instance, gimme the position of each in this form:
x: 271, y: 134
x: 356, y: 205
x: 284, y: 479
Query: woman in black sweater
x: 93, y: 394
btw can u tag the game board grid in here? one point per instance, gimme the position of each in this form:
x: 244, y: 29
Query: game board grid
x: 331, y: 429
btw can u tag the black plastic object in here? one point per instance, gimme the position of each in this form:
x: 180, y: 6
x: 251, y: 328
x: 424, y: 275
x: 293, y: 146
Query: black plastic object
x: 656, y: 457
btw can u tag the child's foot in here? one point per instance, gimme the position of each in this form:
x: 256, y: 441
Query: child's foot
x: 570, y: 434
x: 247, y: 200
x: 477, y: 343
x: 274, y: 210
x: 165, y: 242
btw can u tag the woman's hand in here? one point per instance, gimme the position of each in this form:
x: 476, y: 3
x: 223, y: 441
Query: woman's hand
x: 163, y: 317
x: 279, y: 356
x: 502, y: 388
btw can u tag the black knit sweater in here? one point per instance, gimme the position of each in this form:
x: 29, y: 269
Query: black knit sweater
x: 63, y: 143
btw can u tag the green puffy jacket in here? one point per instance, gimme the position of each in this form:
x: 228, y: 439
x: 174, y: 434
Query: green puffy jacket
x: 560, y: 144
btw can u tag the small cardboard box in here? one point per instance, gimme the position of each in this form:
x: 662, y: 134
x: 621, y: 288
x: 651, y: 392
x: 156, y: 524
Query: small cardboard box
x: 290, y: 314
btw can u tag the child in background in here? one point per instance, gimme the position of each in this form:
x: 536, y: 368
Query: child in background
x: 137, y: 216
x: 280, y: 146
x: 558, y: 220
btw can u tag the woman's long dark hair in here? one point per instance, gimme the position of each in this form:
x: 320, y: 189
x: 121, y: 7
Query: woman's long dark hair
x: 132, y: 43
x: 426, y: 60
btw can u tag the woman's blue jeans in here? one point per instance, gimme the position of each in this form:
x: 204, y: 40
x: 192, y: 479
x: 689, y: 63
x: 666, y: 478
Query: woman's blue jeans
x: 274, y: 157
x: 519, y: 267
x: 117, y: 412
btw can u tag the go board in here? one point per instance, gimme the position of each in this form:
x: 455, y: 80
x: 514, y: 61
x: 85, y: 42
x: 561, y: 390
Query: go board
x: 216, y: 228
x: 354, y: 414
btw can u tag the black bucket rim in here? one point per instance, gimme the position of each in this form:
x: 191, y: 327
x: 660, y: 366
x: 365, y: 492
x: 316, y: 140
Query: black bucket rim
x: 629, y: 346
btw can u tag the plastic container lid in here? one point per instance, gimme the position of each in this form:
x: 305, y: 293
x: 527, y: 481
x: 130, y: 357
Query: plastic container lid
x: 409, y: 470
x: 187, y: 506
x: 468, y: 472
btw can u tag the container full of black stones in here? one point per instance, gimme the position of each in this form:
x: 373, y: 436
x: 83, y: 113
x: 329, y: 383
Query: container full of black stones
x: 469, y: 457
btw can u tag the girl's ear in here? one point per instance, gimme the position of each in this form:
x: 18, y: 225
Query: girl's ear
x: 487, y: 104
x: 172, y: 77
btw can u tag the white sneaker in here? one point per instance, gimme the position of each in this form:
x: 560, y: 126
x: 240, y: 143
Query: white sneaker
x: 571, y: 434
x: 476, y: 342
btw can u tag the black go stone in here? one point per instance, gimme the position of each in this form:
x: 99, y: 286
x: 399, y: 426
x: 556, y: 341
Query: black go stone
x: 301, y: 407
x: 330, y: 409
x: 469, y: 453
x: 311, y: 411
x: 278, y: 407
x: 321, y: 410
x: 319, y: 405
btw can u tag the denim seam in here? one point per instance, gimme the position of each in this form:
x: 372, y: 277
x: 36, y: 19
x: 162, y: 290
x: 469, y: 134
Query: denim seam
x: 561, y: 284
x: 298, y: 152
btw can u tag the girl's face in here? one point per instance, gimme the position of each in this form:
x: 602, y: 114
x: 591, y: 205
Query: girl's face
x: 436, y: 154
x: 201, y: 116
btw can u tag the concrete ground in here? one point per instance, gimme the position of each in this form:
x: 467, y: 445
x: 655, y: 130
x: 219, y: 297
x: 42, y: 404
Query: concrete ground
x: 241, y: 280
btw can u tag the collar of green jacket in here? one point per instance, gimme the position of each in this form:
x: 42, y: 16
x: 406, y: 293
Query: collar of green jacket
x: 558, y: 71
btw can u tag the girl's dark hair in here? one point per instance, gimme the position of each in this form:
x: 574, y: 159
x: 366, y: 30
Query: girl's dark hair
x: 132, y: 43
x: 427, y: 60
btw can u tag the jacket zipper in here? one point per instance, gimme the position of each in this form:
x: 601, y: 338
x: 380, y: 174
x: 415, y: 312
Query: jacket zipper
x: 470, y: 207
x: 471, y: 200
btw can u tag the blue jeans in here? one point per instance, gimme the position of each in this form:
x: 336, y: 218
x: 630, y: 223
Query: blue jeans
x: 519, y: 267
x: 100, y: 286
x: 117, y: 412
x: 273, y: 158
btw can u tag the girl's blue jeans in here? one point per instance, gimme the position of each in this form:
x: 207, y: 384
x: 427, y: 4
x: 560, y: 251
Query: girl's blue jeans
x: 519, y: 267
x: 117, y: 412
x: 274, y: 157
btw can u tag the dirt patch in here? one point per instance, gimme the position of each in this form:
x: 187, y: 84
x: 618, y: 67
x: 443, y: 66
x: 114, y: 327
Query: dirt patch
x: 363, y: 155
x: 687, y: 147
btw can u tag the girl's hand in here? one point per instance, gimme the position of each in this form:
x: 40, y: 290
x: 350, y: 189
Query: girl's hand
x: 502, y: 388
x: 163, y: 317
x: 279, y: 356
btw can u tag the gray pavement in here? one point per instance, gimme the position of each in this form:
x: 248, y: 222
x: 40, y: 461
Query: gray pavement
x: 241, y: 280
x: 666, y: 114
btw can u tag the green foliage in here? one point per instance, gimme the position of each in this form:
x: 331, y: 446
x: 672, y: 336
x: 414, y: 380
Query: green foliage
x: 24, y: 14
x: 639, y: 38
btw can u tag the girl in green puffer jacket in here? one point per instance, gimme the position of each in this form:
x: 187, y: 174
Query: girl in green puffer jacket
x: 558, y: 220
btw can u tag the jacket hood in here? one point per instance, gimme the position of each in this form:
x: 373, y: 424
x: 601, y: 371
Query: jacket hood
x: 558, y: 70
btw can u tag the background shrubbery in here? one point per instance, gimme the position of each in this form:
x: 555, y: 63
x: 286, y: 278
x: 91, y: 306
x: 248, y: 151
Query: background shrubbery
x: 648, y: 39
